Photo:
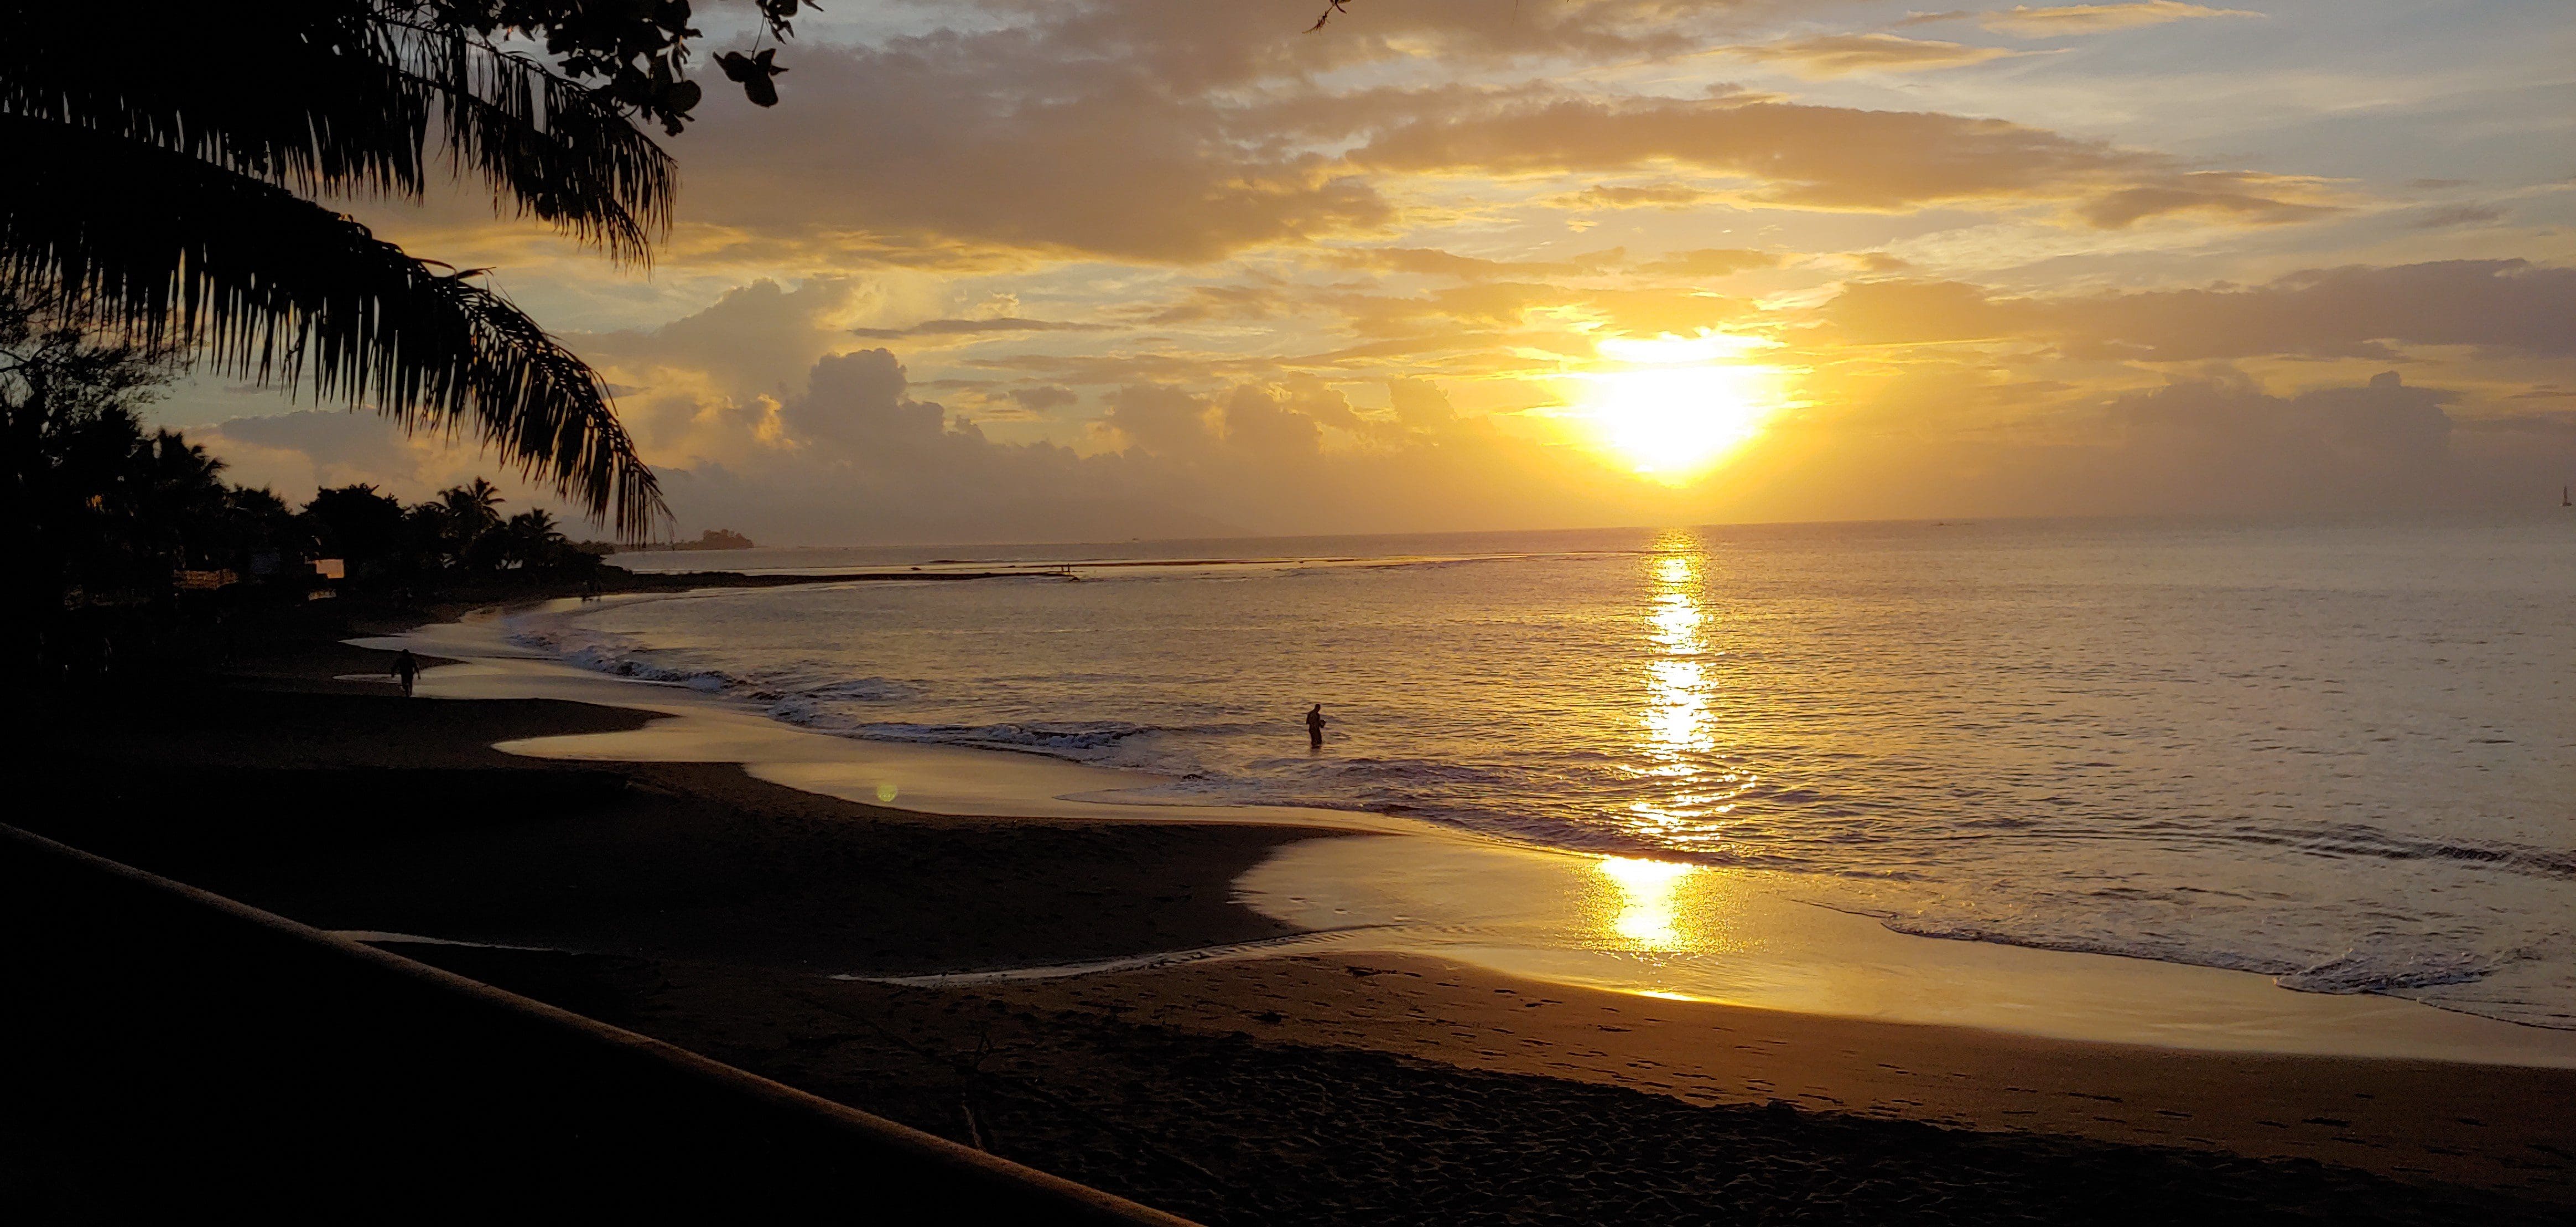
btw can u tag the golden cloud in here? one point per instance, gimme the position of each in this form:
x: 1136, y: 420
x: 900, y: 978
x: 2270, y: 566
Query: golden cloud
x: 1841, y: 55
x: 1832, y: 158
x: 2068, y: 20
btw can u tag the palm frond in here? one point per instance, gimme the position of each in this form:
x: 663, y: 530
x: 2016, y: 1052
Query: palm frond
x: 335, y: 96
x: 548, y: 146
x: 301, y: 97
x: 170, y: 249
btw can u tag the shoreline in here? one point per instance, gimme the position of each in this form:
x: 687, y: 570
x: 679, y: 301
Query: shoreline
x: 709, y: 908
x: 1729, y: 937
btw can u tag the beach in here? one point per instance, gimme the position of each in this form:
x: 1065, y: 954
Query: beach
x: 760, y: 924
x: 1129, y: 612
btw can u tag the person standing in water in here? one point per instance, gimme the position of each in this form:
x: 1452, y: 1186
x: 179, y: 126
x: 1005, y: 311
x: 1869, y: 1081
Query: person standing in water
x: 406, y: 670
x: 1315, y: 727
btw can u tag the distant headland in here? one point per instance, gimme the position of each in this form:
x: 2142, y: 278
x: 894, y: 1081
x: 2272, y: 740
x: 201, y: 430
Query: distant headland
x: 712, y: 539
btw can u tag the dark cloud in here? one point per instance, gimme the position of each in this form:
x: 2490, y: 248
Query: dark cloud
x: 1170, y: 132
x: 2448, y: 216
x: 2216, y: 443
x: 2227, y: 443
x: 2223, y: 195
x: 1131, y: 129
x: 1827, y: 157
x: 2509, y: 306
x: 1014, y: 139
x: 858, y: 406
x: 334, y: 441
x: 1197, y: 46
x: 1045, y: 397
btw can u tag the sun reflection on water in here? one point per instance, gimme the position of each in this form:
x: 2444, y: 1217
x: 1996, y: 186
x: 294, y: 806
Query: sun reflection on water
x: 1691, y: 789
x: 1647, y: 894
x: 1676, y: 715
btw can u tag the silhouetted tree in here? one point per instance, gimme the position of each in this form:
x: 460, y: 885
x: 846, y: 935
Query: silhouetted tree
x: 255, y: 521
x: 531, y: 540
x: 101, y: 513
x: 178, y: 490
x: 160, y: 155
x: 359, y: 525
x: 470, y: 514
x: 106, y: 517
x: 69, y: 443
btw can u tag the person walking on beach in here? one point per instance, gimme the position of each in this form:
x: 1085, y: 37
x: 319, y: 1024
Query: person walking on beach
x: 406, y: 670
x: 1315, y: 727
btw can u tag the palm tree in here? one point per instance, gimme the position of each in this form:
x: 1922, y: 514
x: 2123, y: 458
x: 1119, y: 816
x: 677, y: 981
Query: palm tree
x: 470, y: 514
x: 530, y: 539
x: 178, y: 488
x: 155, y: 171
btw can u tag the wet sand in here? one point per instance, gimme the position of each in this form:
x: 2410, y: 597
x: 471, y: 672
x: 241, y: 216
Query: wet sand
x: 363, y: 812
x: 1264, y: 1094
x: 708, y: 908
x: 2487, y: 1125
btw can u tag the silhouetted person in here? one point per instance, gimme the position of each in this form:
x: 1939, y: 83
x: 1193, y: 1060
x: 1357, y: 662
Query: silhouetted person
x: 406, y: 670
x: 1315, y: 727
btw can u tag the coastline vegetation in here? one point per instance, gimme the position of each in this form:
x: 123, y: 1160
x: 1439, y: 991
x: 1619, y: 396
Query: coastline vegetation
x: 128, y: 537
x: 166, y: 207
x: 712, y: 539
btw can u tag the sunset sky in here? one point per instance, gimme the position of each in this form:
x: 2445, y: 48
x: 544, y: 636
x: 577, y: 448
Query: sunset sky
x: 1015, y: 270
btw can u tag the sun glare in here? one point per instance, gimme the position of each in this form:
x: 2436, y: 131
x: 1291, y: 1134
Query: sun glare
x: 1675, y: 407
x: 1647, y: 911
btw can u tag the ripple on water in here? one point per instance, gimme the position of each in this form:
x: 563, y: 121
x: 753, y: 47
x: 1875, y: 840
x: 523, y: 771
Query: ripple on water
x: 2331, y: 753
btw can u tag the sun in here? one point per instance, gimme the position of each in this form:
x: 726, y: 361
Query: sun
x: 1676, y: 407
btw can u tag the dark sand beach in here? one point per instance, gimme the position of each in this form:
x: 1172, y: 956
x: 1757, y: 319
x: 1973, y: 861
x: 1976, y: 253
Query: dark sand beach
x: 699, y: 906
x: 1598, y: 612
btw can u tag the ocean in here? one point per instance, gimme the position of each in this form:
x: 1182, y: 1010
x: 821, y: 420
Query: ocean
x: 2342, y: 754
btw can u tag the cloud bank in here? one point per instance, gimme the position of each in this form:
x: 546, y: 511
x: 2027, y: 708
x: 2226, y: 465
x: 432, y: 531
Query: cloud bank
x: 1004, y: 269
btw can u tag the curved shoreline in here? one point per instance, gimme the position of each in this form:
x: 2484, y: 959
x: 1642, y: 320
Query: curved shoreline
x: 710, y: 909
x: 1738, y: 938
x: 936, y: 780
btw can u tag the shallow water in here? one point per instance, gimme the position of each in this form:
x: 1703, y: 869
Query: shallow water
x: 2339, y: 754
